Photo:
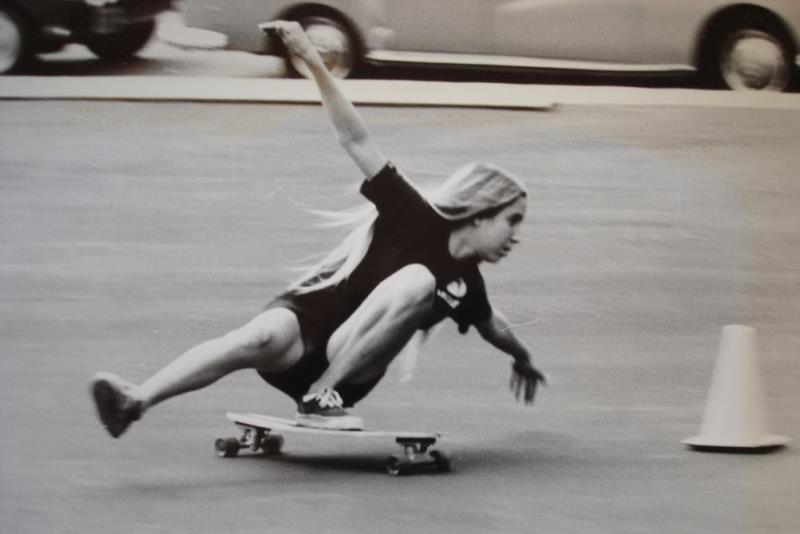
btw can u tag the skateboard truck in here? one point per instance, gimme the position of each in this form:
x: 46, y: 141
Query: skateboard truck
x: 414, y: 450
x: 254, y: 439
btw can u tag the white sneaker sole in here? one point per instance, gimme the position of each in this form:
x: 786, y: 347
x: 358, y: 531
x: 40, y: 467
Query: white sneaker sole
x: 339, y: 422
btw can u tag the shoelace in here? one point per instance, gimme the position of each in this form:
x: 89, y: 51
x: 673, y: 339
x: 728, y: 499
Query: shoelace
x: 329, y: 398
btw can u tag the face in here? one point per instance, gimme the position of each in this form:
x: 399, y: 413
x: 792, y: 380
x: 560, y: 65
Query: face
x: 494, y: 237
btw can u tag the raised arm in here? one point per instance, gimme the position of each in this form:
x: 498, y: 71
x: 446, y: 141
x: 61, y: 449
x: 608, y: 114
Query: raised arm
x: 351, y: 131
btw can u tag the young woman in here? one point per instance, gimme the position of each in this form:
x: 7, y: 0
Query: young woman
x: 410, y: 261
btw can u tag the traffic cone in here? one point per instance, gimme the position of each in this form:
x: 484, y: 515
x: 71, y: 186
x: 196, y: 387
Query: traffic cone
x: 735, y: 418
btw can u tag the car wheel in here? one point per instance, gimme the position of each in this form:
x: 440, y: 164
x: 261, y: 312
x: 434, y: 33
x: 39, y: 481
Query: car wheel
x: 121, y: 45
x: 15, y: 38
x: 335, y: 44
x: 753, y: 54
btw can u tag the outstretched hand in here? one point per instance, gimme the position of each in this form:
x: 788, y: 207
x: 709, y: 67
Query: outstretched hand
x: 525, y: 379
x: 293, y: 37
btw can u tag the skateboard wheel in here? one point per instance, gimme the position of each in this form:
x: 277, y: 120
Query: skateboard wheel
x: 272, y: 444
x: 441, y: 460
x: 397, y: 467
x: 227, y: 447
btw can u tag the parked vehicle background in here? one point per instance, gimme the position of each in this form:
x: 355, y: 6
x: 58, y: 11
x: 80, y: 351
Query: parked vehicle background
x: 112, y: 29
x: 739, y: 45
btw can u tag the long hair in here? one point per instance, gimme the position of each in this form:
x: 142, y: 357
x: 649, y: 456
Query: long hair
x: 474, y: 190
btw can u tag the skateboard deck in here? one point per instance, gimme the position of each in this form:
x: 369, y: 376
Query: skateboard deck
x: 265, y: 433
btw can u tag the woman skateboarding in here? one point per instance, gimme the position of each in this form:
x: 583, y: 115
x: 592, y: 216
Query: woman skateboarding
x: 410, y: 261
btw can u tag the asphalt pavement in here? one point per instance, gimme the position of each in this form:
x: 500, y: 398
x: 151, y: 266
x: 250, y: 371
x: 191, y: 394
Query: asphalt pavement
x: 130, y: 231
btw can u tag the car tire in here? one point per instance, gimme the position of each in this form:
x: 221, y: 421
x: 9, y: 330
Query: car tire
x: 15, y: 40
x: 751, y: 52
x: 124, y: 44
x: 335, y: 43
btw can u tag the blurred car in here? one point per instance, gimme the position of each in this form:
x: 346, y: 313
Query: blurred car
x: 112, y: 29
x: 739, y: 45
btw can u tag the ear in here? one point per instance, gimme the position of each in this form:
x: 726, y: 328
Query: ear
x: 477, y: 221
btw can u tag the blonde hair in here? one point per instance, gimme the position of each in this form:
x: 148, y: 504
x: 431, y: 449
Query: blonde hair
x: 474, y: 190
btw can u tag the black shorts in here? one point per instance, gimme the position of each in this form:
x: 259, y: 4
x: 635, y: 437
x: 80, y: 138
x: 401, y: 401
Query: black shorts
x: 319, y: 315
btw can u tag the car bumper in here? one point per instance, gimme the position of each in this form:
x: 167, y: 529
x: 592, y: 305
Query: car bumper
x: 173, y: 30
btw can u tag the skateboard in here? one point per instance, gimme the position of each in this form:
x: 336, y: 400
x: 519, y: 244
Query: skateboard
x: 265, y: 433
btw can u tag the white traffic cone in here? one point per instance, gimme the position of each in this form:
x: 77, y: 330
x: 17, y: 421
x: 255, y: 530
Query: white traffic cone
x: 736, y: 418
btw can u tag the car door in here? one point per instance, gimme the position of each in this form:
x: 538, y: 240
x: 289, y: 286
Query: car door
x: 438, y: 26
x: 581, y: 30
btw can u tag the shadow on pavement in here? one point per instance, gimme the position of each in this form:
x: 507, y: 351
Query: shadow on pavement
x: 527, y: 77
x: 678, y: 80
x: 465, y: 456
x: 353, y: 463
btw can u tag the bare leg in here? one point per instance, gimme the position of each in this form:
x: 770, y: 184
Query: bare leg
x: 270, y: 342
x: 364, y: 345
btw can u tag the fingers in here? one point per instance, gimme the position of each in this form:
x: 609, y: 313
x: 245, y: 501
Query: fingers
x: 525, y: 386
x: 530, y: 389
x: 270, y: 28
x: 293, y: 38
x: 514, y: 384
x: 280, y: 28
x: 276, y: 25
x: 522, y: 387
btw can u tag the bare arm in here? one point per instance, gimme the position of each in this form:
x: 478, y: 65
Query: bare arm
x: 351, y: 131
x: 525, y: 377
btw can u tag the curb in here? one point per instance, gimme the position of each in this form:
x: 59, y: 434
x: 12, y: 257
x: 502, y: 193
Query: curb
x: 374, y: 93
x: 279, y: 91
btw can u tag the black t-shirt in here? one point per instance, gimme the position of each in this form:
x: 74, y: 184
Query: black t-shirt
x: 407, y: 231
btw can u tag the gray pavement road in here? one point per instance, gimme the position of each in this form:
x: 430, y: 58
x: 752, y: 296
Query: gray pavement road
x: 130, y: 231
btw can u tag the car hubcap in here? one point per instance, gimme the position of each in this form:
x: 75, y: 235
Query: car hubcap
x: 755, y: 61
x: 10, y: 42
x: 333, y: 45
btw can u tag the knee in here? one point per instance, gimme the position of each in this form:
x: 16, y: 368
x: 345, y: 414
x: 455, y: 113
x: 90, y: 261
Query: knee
x: 250, y: 338
x: 260, y: 333
x: 413, y: 285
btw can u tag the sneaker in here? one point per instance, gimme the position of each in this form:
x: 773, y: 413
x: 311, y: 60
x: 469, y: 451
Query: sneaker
x: 115, y: 406
x: 325, y: 410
